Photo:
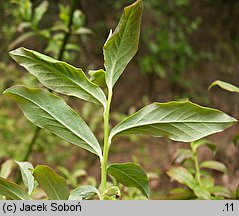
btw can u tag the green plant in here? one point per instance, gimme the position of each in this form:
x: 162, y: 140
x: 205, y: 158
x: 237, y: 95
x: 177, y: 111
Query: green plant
x: 200, y: 183
x: 225, y: 86
x: 231, y: 88
x: 70, y: 22
x: 24, y: 22
x: 179, y: 121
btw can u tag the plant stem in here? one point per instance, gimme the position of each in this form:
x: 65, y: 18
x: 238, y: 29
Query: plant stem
x: 60, y: 56
x: 104, y: 161
x: 29, y: 150
x: 195, y: 158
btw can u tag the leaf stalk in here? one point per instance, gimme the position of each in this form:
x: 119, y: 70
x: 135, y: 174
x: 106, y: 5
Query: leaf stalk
x: 104, y: 161
x: 198, y: 174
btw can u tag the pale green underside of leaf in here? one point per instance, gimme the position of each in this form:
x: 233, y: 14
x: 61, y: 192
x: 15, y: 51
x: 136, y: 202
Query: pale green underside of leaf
x: 97, y: 77
x: 51, y: 112
x: 54, y: 185
x: 225, y: 86
x: 27, y: 176
x: 123, y: 43
x: 12, y: 190
x: 84, y: 192
x: 130, y: 175
x: 215, y: 165
x: 179, y: 121
x: 59, y: 76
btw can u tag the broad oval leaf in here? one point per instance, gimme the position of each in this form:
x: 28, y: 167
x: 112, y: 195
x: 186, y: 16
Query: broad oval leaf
x: 215, y: 165
x: 179, y: 121
x: 225, y: 86
x: 52, y: 113
x: 27, y: 176
x: 84, y: 192
x: 181, y: 175
x: 59, y: 76
x: 122, y: 45
x: 54, y: 185
x: 12, y: 190
x: 130, y: 175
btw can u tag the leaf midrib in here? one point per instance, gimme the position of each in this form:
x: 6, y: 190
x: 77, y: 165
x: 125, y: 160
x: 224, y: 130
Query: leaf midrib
x: 117, y: 130
x: 69, y: 128
x: 54, y: 191
x: 56, y: 71
x: 117, y: 53
x: 9, y: 189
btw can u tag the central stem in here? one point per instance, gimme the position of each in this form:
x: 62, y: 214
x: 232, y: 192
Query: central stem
x: 195, y: 158
x: 104, y: 161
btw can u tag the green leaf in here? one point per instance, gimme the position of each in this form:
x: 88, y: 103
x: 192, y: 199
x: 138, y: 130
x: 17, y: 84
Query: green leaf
x: 112, y: 192
x: 12, y: 190
x: 84, y: 193
x: 122, y: 45
x: 202, y: 193
x: 59, y: 76
x: 181, y: 175
x: 39, y: 12
x: 52, y: 113
x: 225, y: 86
x: 6, y: 168
x: 207, y: 181
x: 179, y: 121
x: 54, y: 185
x: 130, y: 175
x: 27, y: 176
x: 215, y: 165
x: 182, y: 155
x: 97, y: 77
x: 222, y: 192
x: 179, y: 194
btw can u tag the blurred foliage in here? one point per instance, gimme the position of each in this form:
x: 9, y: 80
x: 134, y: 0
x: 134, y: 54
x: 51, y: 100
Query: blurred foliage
x: 30, y: 25
x: 168, y: 49
x: 199, y: 182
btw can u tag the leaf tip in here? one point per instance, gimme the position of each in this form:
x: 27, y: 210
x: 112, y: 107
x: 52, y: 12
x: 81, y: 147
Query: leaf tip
x: 6, y: 91
x: 211, y: 85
